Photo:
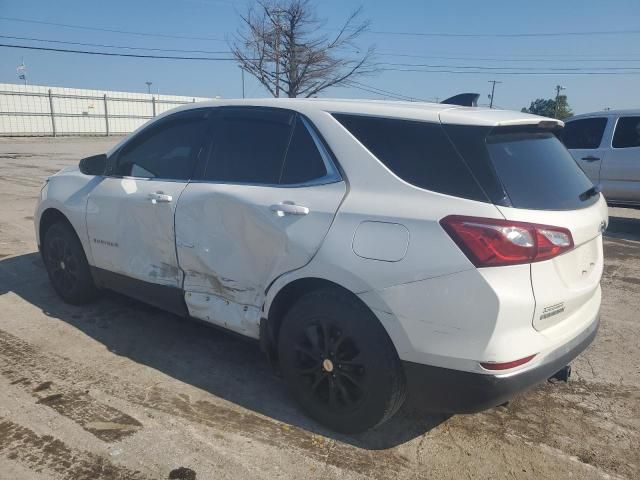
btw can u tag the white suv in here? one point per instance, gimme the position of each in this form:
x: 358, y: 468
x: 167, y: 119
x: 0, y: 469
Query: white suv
x: 373, y: 248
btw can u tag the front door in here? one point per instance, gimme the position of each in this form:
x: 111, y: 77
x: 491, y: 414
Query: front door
x: 262, y: 207
x: 621, y: 172
x: 583, y: 137
x: 130, y: 213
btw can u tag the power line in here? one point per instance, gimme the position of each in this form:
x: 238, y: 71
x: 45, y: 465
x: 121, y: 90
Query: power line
x: 470, y: 67
x: 102, y: 45
x: 486, y: 72
x: 125, y: 47
x: 423, y: 70
x: 380, y: 91
x: 382, y: 94
x: 440, y: 69
x: 554, y: 58
x: 506, y: 35
x: 126, y: 32
x: 482, y: 67
x: 109, y: 54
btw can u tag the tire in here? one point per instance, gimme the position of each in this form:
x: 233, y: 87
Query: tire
x: 67, y: 265
x: 354, y: 381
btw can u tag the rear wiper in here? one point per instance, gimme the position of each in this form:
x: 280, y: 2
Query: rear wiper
x: 592, y: 192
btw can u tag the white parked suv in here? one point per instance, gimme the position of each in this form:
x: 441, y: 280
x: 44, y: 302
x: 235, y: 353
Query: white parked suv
x: 373, y: 248
x: 607, y: 147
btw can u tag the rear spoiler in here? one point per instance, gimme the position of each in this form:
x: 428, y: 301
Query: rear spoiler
x: 463, y: 100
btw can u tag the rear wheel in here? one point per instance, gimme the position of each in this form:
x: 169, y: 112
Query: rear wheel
x: 339, y: 362
x: 67, y: 265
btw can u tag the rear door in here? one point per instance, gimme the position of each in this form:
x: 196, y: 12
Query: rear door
x: 545, y: 186
x: 130, y: 213
x: 584, y: 137
x: 261, y: 207
x: 620, y: 175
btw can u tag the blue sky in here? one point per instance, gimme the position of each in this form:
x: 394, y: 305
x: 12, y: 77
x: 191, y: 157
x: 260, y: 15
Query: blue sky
x: 218, y: 19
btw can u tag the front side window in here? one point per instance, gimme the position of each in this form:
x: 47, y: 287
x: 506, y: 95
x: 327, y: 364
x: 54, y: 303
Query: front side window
x: 583, y: 134
x: 627, y: 134
x: 168, y: 150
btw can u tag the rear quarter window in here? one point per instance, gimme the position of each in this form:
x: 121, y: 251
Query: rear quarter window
x: 420, y: 153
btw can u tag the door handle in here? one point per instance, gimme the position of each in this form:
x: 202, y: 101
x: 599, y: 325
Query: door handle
x: 590, y: 158
x: 159, y: 197
x: 289, y: 208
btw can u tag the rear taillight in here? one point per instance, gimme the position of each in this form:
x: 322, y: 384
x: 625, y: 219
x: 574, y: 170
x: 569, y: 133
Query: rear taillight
x: 490, y: 242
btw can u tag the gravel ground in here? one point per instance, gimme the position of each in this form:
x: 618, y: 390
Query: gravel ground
x: 119, y: 390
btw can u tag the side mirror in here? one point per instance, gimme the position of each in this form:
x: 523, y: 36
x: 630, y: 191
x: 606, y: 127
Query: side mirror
x: 95, y: 165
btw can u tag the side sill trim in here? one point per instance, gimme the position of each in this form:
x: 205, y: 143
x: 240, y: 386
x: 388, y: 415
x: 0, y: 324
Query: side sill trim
x: 161, y: 296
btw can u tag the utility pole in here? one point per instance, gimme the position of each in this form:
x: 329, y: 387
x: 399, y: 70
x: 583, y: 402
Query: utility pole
x: 493, y: 91
x: 276, y: 24
x: 558, y: 89
x: 242, y: 70
x: 149, y: 86
x: 278, y: 54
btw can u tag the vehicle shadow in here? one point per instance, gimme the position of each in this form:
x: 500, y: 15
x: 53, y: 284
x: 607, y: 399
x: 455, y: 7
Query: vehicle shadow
x: 223, y: 364
x: 624, y: 227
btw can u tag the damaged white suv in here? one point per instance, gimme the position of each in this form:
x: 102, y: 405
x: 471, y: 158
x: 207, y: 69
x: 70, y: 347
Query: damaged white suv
x: 374, y: 248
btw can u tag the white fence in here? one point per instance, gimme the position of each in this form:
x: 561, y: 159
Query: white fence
x: 33, y: 110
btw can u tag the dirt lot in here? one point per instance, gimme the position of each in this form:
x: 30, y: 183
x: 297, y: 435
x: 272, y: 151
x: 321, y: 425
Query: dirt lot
x: 120, y: 390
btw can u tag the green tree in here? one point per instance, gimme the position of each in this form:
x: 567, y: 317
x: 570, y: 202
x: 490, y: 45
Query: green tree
x: 547, y: 107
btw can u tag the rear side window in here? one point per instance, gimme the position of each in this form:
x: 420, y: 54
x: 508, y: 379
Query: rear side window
x: 250, y: 146
x: 583, y: 134
x: 168, y: 150
x: 303, y: 162
x: 537, y: 172
x: 627, y: 134
x: 420, y: 153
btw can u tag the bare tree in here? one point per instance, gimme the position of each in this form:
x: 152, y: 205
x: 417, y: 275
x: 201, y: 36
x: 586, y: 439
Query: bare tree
x: 279, y: 43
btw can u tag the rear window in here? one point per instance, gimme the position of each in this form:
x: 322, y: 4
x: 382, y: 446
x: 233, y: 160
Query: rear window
x: 419, y: 153
x: 537, y: 172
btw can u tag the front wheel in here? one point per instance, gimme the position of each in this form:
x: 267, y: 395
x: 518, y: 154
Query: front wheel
x: 339, y: 362
x: 67, y: 265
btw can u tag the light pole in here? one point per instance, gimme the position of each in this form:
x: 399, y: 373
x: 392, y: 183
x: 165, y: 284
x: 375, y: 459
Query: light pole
x: 493, y: 91
x: 558, y: 89
x: 149, y: 86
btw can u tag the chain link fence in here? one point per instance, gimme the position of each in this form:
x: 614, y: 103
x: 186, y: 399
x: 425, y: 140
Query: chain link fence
x: 33, y: 110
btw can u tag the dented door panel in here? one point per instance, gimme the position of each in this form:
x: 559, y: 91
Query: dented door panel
x: 132, y: 235
x: 232, y: 243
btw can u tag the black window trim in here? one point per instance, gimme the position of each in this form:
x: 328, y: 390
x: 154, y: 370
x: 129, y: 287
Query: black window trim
x: 333, y: 174
x: 112, y: 161
x: 615, y: 126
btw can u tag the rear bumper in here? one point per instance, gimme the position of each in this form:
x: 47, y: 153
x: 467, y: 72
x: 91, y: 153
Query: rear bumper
x: 444, y: 390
